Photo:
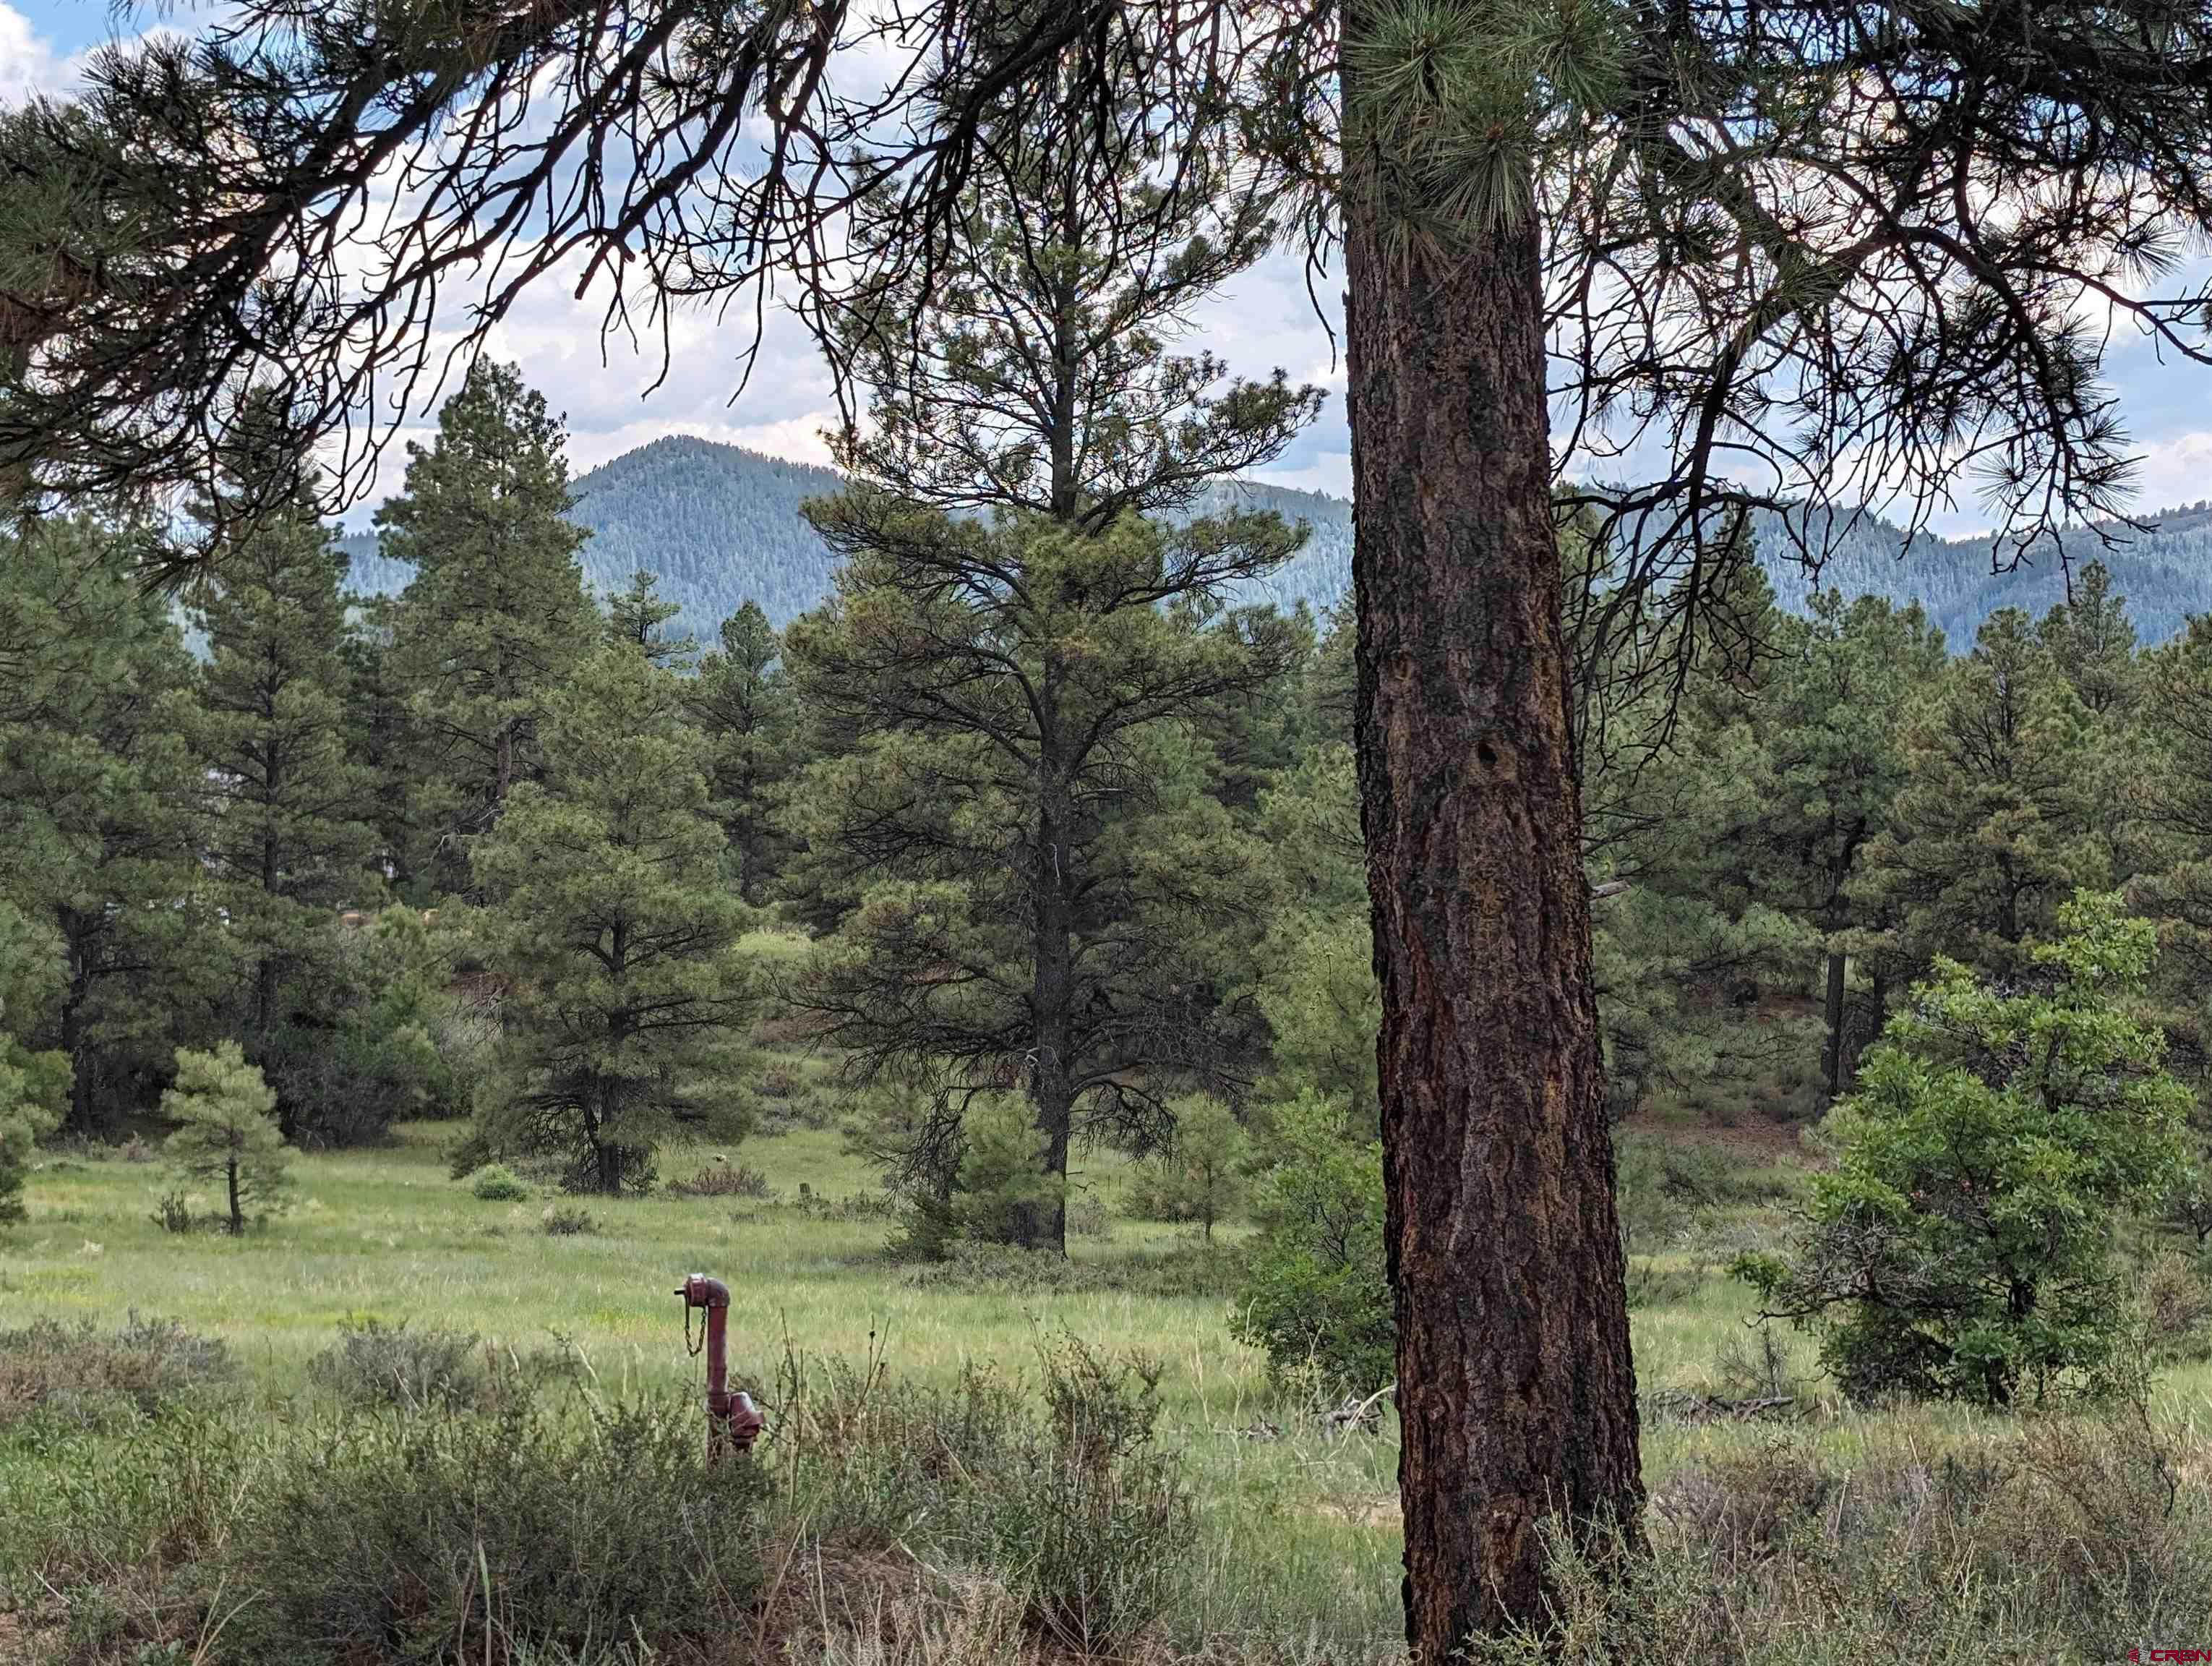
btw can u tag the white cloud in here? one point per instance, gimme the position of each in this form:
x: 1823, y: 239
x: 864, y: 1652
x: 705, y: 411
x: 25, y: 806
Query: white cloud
x: 2174, y: 471
x: 28, y: 63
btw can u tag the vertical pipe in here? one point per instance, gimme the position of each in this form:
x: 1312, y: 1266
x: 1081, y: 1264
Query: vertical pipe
x: 732, y: 1421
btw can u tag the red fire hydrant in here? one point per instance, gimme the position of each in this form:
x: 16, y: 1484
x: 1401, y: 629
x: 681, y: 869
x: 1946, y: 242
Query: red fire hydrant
x: 733, y: 1419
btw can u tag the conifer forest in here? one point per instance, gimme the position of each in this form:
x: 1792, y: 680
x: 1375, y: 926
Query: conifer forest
x: 1593, y: 1045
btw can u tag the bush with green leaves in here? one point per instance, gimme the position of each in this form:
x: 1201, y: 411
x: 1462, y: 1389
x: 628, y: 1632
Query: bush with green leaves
x: 83, y: 1375
x: 1073, y: 1503
x: 1091, y: 1510
x: 1003, y: 1186
x: 495, y: 1183
x: 375, y: 1364
x: 437, y: 1537
x: 1199, y: 1175
x: 1962, y: 1248
x: 1316, y: 1295
x: 227, y: 1128
x: 1944, y: 1544
x: 30, y: 1089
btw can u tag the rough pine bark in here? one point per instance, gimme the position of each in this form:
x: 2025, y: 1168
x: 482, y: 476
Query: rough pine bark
x: 1514, y: 1383
x: 1051, y: 984
x: 1832, y: 1054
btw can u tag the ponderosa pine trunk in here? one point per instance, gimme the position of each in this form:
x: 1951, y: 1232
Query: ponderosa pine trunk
x: 1832, y: 1055
x: 1052, y: 994
x: 82, y: 1121
x: 1515, y: 1385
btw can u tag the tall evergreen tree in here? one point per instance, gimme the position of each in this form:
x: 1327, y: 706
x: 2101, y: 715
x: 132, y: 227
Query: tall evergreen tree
x: 612, y: 935
x: 1994, y: 826
x: 1039, y: 877
x: 496, y: 616
x: 100, y: 823
x: 1833, y: 763
x: 742, y: 702
x: 290, y: 840
x: 1687, y: 944
x: 636, y: 619
x: 2092, y: 642
x: 2172, y: 800
x: 380, y: 737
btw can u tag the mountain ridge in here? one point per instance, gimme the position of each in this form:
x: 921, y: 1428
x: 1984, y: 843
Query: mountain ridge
x: 720, y: 524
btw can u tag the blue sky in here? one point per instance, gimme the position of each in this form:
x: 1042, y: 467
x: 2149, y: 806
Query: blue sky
x: 1265, y: 320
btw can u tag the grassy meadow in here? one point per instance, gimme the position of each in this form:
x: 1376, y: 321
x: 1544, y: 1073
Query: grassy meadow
x: 1294, y: 1554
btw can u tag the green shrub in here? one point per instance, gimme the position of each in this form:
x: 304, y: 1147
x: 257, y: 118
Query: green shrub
x: 471, y: 1151
x: 1198, y: 1176
x: 2174, y: 1301
x: 93, y: 1377
x: 2060, y: 1538
x: 495, y: 1183
x: 440, y: 1537
x: 722, y: 1178
x: 562, y: 1222
x: 174, y: 1214
x: 376, y: 1364
x: 1071, y: 1501
x: 31, y: 1088
x: 1316, y: 1294
x: 928, y: 1228
x: 1003, y: 1193
x: 1090, y: 1514
x: 1088, y: 1217
x: 1962, y: 1247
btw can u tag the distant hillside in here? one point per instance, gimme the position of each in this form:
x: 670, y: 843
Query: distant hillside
x: 720, y: 524
x: 2165, y: 573
x: 717, y: 523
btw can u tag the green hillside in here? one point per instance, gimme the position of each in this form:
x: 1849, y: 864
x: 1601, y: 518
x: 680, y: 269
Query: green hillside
x: 719, y: 524
x: 2166, y: 572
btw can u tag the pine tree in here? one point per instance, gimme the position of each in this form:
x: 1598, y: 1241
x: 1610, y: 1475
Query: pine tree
x: 2170, y: 848
x: 1003, y: 1180
x: 227, y: 1128
x: 1023, y: 802
x: 1026, y: 798
x: 380, y: 738
x: 1833, y: 762
x: 1316, y: 974
x: 1199, y: 1176
x: 33, y: 1088
x: 635, y: 619
x: 742, y: 702
x: 497, y: 615
x: 1687, y: 944
x: 2093, y: 640
x: 290, y: 840
x: 612, y: 935
x: 1994, y: 826
x: 101, y: 818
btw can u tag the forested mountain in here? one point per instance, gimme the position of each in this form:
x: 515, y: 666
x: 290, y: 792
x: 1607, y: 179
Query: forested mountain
x: 720, y: 525
x: 2164, y: 572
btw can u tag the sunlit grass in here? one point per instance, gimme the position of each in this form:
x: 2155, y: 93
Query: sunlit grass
x: 388, y: 1235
